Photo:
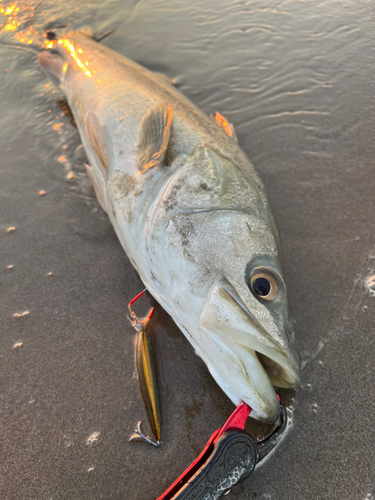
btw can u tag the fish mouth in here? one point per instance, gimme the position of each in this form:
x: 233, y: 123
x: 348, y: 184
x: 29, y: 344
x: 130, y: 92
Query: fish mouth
x: 245, y: 359
x: 279, y: 376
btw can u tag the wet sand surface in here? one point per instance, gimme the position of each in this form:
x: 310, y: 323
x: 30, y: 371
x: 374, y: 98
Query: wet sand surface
x: 297, y: 80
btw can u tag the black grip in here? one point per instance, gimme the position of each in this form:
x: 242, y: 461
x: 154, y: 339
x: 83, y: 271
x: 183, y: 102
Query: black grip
x: 232, y: 461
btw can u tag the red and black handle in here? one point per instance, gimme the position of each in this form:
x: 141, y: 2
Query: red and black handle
x: 228, y: 458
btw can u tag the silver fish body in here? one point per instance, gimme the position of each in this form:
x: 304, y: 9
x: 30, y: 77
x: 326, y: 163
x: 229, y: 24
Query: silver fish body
x: 193, y: 217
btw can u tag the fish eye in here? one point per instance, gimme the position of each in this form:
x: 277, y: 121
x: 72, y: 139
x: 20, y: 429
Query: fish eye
x: 264, y: 284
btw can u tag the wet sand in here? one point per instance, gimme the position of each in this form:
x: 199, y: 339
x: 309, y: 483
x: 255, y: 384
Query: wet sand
x: 296, y: 79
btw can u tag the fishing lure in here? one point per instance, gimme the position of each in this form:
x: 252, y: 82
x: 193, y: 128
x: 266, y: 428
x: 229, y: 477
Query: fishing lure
x: 147, y: 377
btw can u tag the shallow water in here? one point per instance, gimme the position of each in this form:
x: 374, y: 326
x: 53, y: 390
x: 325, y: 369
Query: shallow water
x: 296, y: 79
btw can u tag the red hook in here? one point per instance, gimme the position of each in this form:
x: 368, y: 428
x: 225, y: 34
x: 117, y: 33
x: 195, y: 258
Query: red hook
x: 139, y: 324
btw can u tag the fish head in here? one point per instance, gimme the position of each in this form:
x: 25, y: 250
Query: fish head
x: 226, y: 289
x: 247, y: 312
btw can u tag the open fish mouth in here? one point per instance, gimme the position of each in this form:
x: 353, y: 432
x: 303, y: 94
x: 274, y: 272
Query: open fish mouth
x: 279, y: 376
x: 244, y: 359
x: 261, y: 374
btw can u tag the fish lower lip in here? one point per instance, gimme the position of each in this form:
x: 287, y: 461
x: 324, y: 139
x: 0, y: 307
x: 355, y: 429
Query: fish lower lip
x: 278, y: 377
x: 252, y: 363
x: 260, y: 391
x: 278, y: 374
x: 264, y: 374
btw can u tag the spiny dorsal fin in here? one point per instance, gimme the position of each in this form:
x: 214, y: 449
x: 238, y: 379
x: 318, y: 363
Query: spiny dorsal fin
x: 94, y: 131
x: 225, y: 125
x: 153, y: 136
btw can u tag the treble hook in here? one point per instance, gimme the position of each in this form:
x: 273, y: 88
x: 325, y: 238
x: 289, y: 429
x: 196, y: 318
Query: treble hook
x: 139, y: 324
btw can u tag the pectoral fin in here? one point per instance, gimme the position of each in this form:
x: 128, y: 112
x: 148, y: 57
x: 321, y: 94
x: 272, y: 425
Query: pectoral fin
x: 225, y: 125
x: 99, y: 184
x: 153, y: 136
x: 94, y: 131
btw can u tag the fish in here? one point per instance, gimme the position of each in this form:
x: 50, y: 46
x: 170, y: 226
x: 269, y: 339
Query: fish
x: 191, y: 213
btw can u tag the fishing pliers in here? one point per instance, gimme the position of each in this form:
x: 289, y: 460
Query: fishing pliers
x: 229, y: 457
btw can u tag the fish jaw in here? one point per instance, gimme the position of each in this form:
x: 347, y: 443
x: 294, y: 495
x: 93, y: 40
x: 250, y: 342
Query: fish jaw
x: 244, y: 359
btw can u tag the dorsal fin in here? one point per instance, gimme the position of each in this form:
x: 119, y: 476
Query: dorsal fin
x: 94, y: 131
x: 225, y: 125
x: 153, y: 136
